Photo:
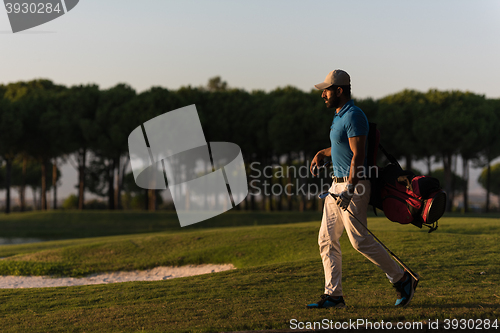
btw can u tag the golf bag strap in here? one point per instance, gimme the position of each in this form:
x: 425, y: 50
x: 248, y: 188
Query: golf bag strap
x: 391, y: 158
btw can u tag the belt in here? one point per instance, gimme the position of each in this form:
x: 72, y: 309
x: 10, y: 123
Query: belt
x: 344, y: 179
x: 340, y: 179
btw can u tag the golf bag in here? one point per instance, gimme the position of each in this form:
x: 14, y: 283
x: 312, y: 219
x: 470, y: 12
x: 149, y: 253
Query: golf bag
x: 404, y: 197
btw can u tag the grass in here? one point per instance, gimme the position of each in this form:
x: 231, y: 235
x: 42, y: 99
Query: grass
x: 64, y: 224
x: 279, y: 271
x: 243, y: 246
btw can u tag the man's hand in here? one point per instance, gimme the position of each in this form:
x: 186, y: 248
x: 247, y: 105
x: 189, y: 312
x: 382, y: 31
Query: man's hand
x: 345, y: 197
x: 319, y: 160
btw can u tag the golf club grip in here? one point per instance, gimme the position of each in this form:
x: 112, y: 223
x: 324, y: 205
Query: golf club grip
x: 316, y: 167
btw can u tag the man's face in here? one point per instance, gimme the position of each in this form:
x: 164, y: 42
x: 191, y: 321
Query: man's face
x: 331, y: 97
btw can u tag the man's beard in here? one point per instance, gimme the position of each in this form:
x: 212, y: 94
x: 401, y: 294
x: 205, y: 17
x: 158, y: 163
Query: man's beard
x: 333, y: 102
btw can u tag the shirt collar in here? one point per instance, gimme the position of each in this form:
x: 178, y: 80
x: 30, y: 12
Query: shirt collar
x: 346, y: 107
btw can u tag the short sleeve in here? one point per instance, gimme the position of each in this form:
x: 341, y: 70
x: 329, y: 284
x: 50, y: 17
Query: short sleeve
x: 356, y: 123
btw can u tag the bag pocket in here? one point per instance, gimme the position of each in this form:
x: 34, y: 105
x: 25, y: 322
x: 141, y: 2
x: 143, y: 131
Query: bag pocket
x: 401, y: 208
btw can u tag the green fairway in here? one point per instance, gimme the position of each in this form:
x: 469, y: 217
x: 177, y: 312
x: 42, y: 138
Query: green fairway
x: 80, y: 224
x: 279, y: 272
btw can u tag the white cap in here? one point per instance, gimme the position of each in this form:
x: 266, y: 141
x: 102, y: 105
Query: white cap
x: 337, y: 77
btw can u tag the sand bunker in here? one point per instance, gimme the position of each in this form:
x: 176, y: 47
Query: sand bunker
x: 155, y: 274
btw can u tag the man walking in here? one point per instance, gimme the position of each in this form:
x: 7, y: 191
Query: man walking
x: 348, y: 135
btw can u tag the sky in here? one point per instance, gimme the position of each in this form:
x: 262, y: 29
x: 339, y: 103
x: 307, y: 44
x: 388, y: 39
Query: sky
x: 386, y: 46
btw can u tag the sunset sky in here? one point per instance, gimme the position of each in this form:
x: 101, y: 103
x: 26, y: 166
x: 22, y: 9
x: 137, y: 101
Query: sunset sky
x: 386, y: 46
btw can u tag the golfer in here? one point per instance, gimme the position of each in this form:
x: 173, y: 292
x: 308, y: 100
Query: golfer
x: 348, y: 135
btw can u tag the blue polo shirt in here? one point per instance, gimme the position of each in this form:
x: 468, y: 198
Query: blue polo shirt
x: 350, y: 121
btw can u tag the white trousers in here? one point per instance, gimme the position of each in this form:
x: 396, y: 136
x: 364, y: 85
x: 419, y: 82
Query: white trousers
x: 332, y: 225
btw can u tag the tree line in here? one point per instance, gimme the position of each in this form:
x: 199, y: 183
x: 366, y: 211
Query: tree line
x: 43, y: 124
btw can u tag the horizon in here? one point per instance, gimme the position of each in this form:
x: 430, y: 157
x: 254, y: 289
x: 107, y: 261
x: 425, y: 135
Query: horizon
x: 386, y: 46
x: 229, y: 87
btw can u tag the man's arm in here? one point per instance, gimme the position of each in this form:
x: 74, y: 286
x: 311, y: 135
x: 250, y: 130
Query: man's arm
x: 320, y: 156
x: 357, y: 145
x: 326, y: 152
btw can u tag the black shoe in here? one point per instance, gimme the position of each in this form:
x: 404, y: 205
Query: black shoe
x: 405, y: 290
x: 328, y: 301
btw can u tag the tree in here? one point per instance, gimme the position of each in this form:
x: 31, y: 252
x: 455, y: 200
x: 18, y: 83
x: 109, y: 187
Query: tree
x: 490, y: 179
x: 369, y: 107
x: 52, y: 124
x: 216, y: 84
x: 443, y: 122
x: 114, y: 121
x: 79, y: 107
x: 26, y: 173
x: 460, y: 184
x: 398, y: 121
x: 293, y: 133
x: 11, y: 127
x: 259, y: 151
x: 489, y: 148
x: 469, y: 125
x: 35, y: 103
x: 145, y: 106
x: 134, y: 196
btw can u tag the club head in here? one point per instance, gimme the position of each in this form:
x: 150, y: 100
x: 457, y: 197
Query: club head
x: 323, y: 195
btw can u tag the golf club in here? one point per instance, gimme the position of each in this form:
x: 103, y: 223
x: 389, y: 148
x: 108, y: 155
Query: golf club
x: 415, y: 276
x: 315, y: 168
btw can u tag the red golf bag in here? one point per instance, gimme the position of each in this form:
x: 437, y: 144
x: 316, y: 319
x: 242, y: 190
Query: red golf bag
x: 404, y: 197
